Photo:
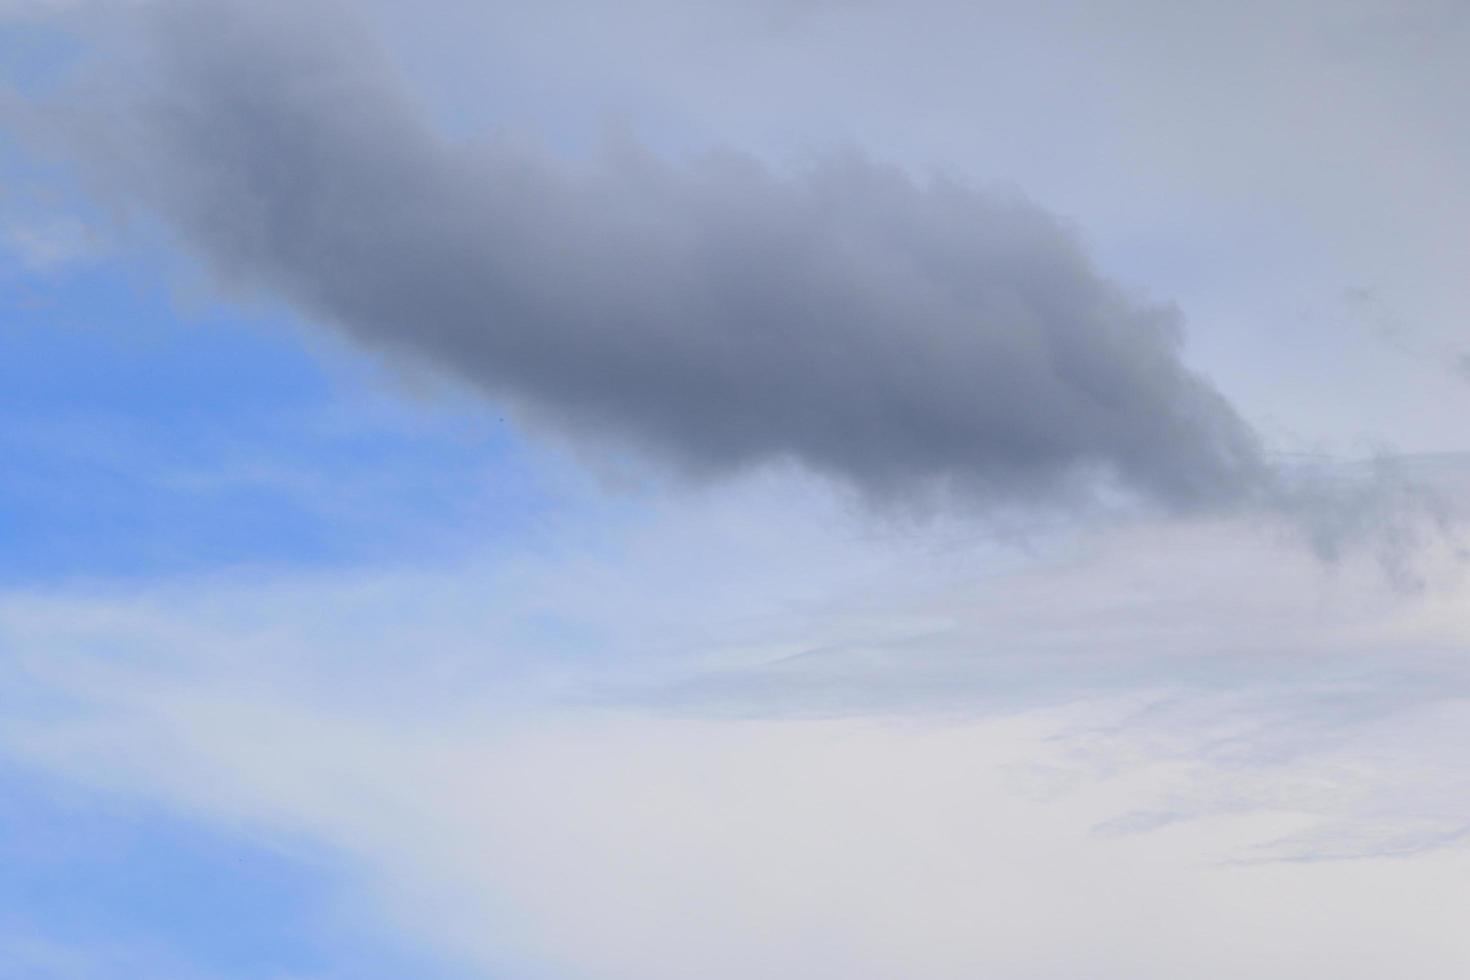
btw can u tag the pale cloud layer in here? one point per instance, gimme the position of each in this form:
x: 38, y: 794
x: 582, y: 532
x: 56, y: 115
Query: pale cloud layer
x: 1117, y: 755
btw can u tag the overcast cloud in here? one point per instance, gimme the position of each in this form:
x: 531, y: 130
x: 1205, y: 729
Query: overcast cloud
x: 904, y: 335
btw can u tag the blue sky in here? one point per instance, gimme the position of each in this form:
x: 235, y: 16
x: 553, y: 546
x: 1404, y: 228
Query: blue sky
x: 97, y: 886
x: 779, y: 490
x: 154, y: 433
x: 150, y: 434
x: 144, y: 441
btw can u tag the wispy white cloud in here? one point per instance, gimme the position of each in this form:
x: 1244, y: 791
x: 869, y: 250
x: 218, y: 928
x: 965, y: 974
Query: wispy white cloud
x: 52, y: 245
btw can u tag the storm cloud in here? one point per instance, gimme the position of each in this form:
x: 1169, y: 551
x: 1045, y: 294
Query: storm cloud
x: 902, y: 336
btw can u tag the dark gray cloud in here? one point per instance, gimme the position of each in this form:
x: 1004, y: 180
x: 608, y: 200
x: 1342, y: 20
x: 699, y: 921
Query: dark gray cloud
x: 902, y: 336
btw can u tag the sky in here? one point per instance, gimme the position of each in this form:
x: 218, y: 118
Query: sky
x: 783, y: 489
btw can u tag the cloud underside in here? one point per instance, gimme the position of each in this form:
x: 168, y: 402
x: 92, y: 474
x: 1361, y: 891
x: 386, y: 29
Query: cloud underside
x: 903, y: 337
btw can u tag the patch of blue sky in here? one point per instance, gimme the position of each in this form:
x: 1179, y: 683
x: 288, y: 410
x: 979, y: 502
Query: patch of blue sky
x: 98, y: 887
x: 139, y: 435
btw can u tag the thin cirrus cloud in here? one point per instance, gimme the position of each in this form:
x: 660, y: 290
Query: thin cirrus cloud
x: 902, y: 336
